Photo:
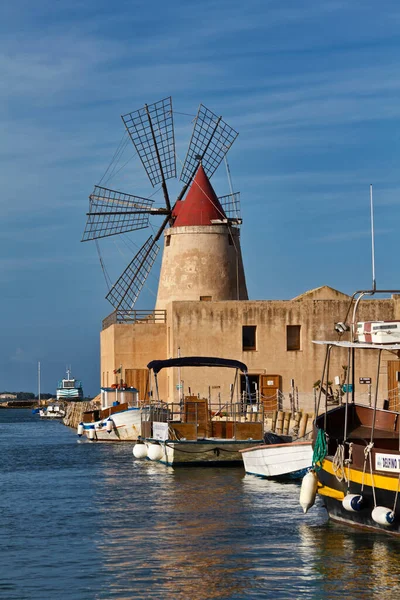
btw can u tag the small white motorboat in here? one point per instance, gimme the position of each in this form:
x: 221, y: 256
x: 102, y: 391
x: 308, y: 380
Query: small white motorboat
x: 53, y: 411
x: 283, y: 459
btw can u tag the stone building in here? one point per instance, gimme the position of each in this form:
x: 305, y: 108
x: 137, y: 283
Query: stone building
x: 202, y: 308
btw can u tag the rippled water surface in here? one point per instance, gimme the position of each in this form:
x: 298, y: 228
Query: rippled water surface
x: 86, y: 521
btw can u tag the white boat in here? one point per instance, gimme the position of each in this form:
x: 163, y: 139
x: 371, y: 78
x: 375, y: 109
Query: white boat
x: 52, y: 411
x: 286, y: 460
x: 196, y: 432
x: 69, y: 388
x: 119, y: 418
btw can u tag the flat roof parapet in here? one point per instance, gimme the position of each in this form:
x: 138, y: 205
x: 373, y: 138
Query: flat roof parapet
x: 129, y: 317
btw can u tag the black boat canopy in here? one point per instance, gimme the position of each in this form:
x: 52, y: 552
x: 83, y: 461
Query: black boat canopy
x: 196, y: 361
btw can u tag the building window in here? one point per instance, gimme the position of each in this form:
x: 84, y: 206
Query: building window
x: 292, y: 337
x: 205, y: 298
x: 230, y: 239
x: 249, y: 337
x: 168, y: 240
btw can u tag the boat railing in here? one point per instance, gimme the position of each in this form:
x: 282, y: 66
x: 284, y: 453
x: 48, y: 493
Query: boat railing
x: 196, y: 411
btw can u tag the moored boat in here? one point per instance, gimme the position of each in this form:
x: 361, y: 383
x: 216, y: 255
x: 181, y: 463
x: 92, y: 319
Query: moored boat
x: 194, y: 431
x: 118, y: 419
x: 69, y: 389
x: 278, y: 459
x: 356, y: 462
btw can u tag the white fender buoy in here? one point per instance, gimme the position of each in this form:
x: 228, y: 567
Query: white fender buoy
x: 353, y: 502
x: 81, y: 429
x: 154, y: 452
x: 139, y: 450
x: 109, y: 425
x: 92, y: 434
x: 382, y: 515
x: 308, y: 490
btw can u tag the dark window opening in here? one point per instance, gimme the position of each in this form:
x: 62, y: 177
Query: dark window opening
x: 230, y: 240
x: 168, y: 240
x: 292, y: 337
x: 249, y: 337
x: 205, y: 298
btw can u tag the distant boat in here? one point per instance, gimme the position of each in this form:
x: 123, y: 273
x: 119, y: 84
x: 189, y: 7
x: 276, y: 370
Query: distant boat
x: 69, y: 389
x: 52, y: 411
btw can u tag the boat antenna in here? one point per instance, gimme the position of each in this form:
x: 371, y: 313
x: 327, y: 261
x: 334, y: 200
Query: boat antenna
x: 372, y: 239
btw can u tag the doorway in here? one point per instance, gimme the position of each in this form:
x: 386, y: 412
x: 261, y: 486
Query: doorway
x: 254, y: 383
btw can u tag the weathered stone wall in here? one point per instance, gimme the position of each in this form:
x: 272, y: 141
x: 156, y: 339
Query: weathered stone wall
x: 131, y: 345
x: 215, y: 329
x: 201, y: 261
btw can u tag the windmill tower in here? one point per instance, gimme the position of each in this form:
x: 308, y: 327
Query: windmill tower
x: 202, y: 257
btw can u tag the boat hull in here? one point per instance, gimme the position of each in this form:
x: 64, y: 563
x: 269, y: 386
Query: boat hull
x: 202, y: 452
x: 278, y: 460
x: 126, y: 427
x: 70, y: 395
x: 333, y: 491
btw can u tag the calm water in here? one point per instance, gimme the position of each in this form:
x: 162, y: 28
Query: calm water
x: 86, y: 521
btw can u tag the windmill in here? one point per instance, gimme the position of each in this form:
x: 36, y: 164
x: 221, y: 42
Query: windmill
x: 111, y: 212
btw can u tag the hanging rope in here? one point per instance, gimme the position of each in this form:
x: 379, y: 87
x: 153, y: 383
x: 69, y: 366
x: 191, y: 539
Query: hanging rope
x: 106, y: 275
x: 117, y: 154
x: 320, y: 450
x: 348, y: 462
x: 396, y: 496
x: 338, y: 464
x: 367, y: 455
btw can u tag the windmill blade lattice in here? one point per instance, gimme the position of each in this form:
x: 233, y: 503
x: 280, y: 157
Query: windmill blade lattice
x: 211, y: 140
x: 127, y: 288
x: 112, y: 212
x: 231, y: 205
x: 151, y: 130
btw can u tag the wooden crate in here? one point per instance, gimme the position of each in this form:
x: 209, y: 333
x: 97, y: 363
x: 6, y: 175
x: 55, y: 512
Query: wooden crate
x: 91, y: 416
x: 184, y: 430
x: 246, y: 431
x: 223, y: 429
x: 146, y: 429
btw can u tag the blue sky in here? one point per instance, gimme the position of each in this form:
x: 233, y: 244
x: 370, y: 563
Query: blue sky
x: 313, y: 89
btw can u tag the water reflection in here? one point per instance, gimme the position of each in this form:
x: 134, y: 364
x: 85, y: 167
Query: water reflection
x: 180, y: 539
x: 88, y: 519
x: 353, y: 561
x: 215, y: 533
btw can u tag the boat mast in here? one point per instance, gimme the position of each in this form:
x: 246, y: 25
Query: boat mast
x: 39, y: 383
x: 372, y: 239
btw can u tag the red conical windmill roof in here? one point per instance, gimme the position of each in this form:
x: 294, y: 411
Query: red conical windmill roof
x: 201, y: 205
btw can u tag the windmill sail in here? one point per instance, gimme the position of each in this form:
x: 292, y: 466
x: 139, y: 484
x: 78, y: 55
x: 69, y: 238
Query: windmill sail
x: 231, y: 205
x: 151, y: 130
x: 112, y: 212
x: 127, y: 288
x: 211, y: 140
